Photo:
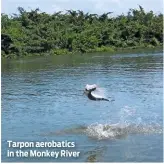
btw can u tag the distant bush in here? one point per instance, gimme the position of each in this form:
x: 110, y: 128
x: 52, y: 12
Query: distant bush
x: 38, y: 33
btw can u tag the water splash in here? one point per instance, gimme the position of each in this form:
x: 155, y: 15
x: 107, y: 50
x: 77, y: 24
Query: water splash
x: 130, y: 123
x: 112, y: 131
x: 102, y: 92
x: 115, y: 131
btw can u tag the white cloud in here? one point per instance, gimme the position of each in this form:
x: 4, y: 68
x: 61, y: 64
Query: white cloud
x: 57, y: 8
x: 105, y: 5
x: 93, y: 6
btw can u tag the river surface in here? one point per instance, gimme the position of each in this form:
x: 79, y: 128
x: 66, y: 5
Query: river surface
x: 42, y: 100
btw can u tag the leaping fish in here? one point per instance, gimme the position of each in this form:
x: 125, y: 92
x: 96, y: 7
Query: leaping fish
x: 90, y: 92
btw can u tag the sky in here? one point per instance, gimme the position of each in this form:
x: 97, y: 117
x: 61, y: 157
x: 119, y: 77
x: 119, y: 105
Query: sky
x: 92, y: 6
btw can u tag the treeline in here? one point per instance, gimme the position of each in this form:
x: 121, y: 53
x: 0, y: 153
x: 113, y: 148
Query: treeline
x: 36, y: 32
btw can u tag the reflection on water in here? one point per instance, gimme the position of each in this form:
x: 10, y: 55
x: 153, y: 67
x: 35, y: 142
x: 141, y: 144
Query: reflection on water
x: 42, y: 99
x: 95, y: 154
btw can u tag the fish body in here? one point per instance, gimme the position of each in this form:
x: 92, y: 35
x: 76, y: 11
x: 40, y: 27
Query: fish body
x: 90, y: 91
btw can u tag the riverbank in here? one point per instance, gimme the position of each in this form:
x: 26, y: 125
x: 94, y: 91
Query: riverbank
x: 39, y: 33
x: 97, y: 50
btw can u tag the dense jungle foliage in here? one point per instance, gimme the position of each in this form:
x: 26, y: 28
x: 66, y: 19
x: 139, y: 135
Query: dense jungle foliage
x: 37, y: 33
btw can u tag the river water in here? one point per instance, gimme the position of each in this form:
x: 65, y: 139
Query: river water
x: 42, y: 100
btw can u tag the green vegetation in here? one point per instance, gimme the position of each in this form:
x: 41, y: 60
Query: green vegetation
x: 39, y: 33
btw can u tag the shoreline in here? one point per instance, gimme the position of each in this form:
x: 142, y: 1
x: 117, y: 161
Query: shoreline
x: 97, y: 50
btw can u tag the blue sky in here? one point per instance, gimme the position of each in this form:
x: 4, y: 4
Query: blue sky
x: 92, y: 6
